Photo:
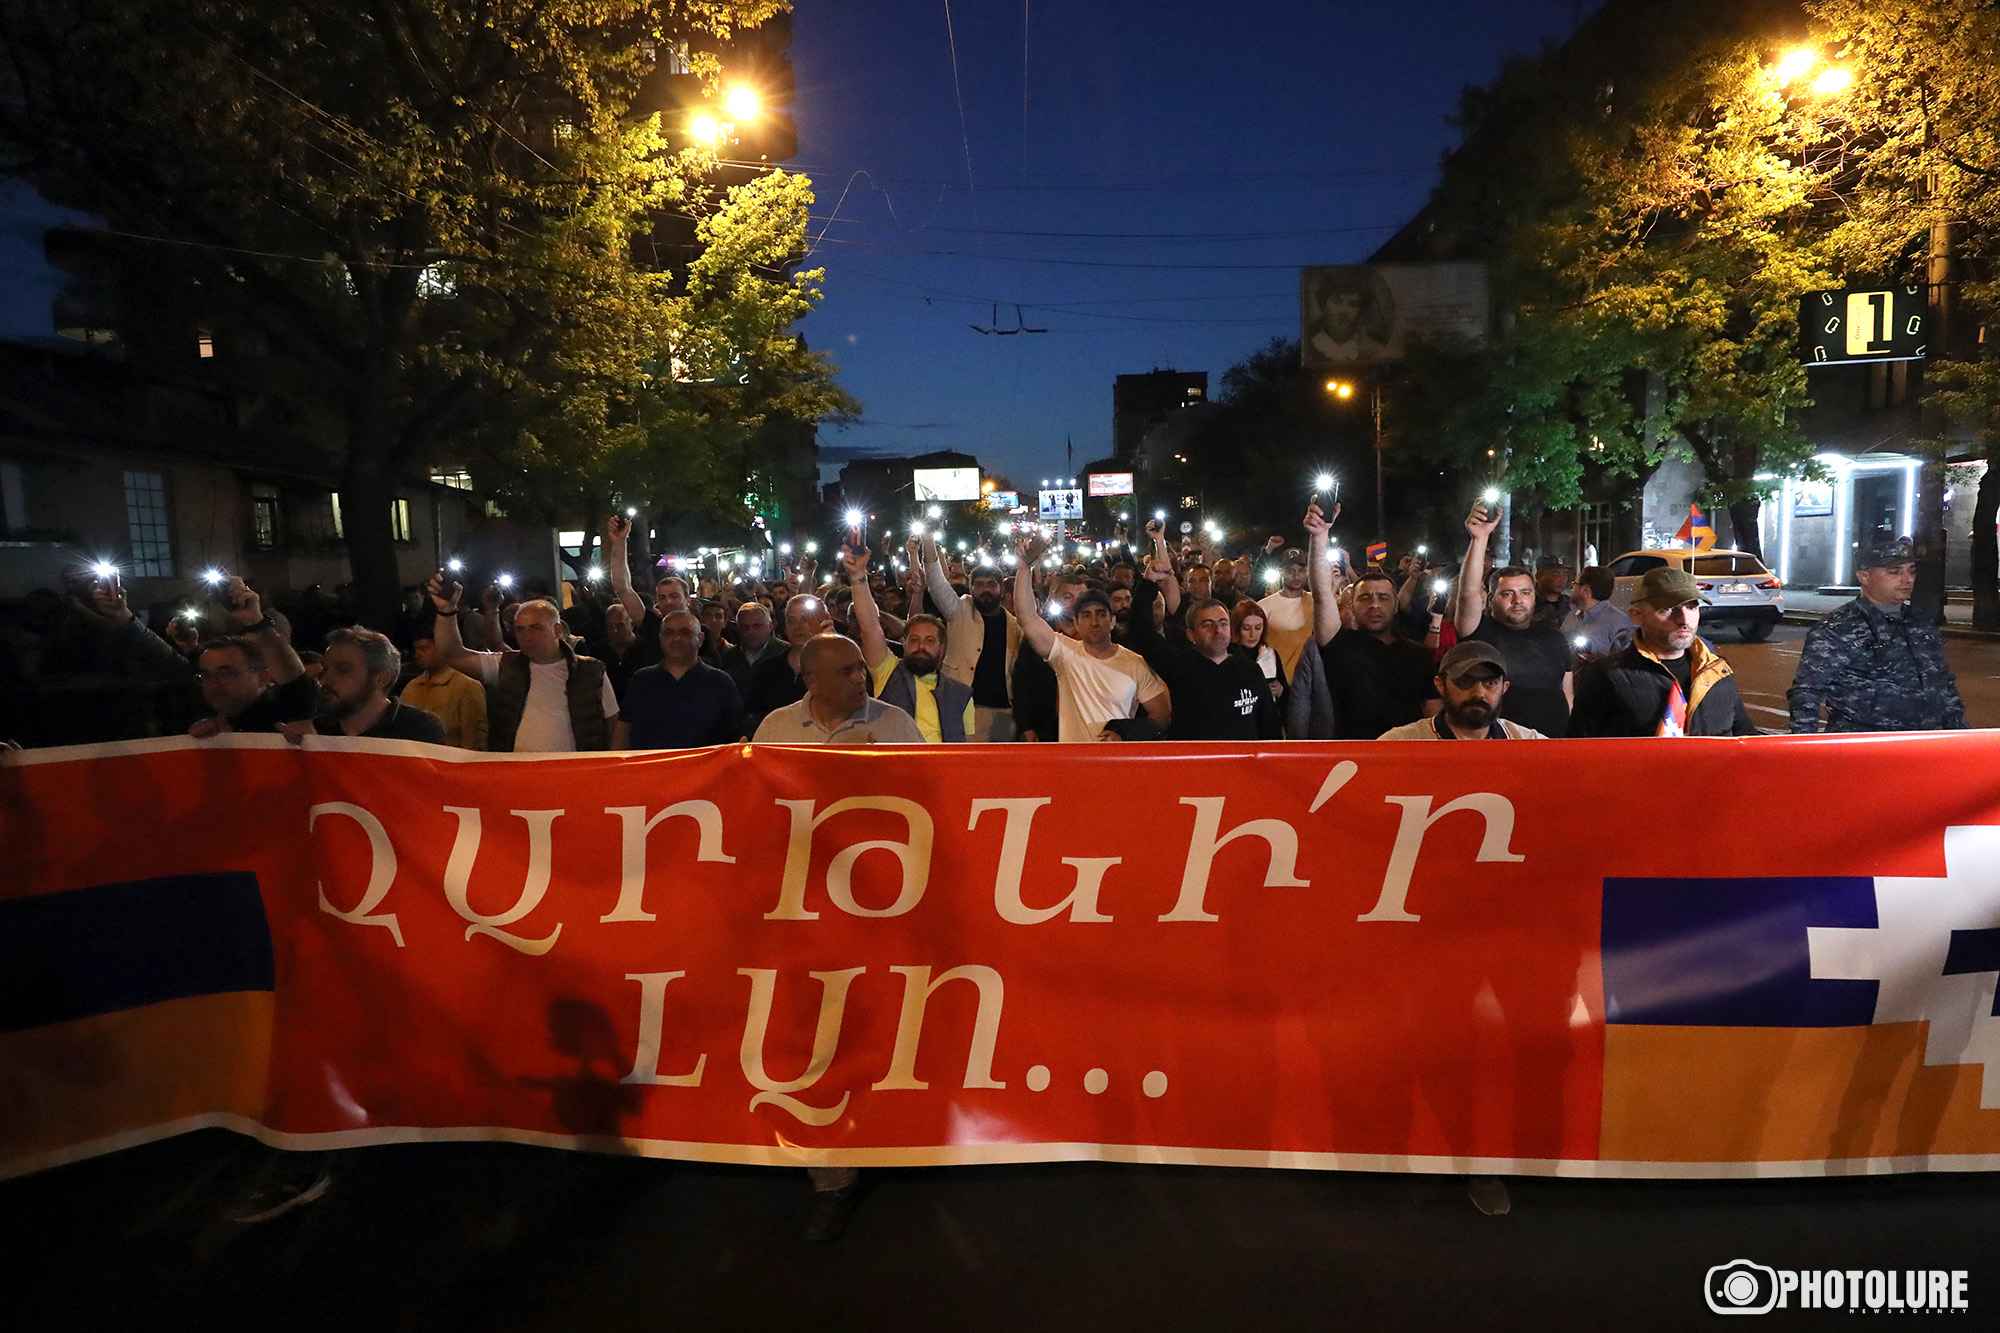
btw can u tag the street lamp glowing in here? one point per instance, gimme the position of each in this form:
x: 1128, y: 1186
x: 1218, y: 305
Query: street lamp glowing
x: 1796, y: 62
x: 1832, y: 81
x: 742, y: 103
x: 1340, y: 388
x: 705, y: 128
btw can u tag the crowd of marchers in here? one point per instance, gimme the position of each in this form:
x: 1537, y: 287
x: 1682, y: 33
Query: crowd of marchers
x: 1166, y: 644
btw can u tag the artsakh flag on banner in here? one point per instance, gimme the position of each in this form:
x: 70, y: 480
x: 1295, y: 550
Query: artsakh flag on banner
x: 1371, y: 956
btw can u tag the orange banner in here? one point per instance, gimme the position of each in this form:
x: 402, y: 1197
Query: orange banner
x: 1576, y: 957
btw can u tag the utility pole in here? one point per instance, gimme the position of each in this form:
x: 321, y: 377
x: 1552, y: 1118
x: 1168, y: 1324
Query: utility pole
x: 1381, y: 506
x: 1928, y: 541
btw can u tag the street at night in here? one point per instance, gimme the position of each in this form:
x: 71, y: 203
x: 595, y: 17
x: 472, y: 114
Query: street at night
x: 790, y: 664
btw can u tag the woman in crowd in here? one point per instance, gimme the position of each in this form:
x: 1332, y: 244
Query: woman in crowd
x: 1251, y: 642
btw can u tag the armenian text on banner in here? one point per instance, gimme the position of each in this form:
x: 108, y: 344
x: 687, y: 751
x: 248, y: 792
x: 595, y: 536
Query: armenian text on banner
x: 1615, y: 958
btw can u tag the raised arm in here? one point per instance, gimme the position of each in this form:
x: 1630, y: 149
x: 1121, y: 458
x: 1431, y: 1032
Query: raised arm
x: 445, y: 599
x: 617, y: 532
x: 1468, y: 607
x: 1319, y: 568
x: 1033, y: 628
x: 943, y: 595
x: 867, y: 619
x: 246, y: 615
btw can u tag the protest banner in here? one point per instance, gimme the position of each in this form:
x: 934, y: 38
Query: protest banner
x: 1588, y: 958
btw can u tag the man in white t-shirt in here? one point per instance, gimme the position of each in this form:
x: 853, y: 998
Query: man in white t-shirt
x: 544, y: 698
x: 1288, y: 613
x: 1097, y: 682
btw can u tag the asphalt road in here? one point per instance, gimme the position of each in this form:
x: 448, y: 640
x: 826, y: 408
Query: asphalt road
x: 1764, y: 673
x: 514, y: 1240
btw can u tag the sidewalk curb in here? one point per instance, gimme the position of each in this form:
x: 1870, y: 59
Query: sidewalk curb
x: 1949, y: 631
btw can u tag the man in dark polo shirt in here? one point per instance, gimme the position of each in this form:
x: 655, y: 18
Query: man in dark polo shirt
x: 360, y: 667
x: 681, y: 704
x: 1379, y: 679
x: 1537, y: 656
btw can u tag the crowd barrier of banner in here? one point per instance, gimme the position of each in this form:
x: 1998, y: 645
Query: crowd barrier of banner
x: 1771, y: 956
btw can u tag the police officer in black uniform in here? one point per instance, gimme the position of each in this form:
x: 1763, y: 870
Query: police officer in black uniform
x: 1872, y: 664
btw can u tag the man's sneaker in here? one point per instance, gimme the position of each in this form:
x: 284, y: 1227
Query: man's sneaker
x: 285, y: 1187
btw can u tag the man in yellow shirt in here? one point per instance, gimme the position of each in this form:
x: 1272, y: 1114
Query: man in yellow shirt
x: 914, y: 683
x: 458, y: 700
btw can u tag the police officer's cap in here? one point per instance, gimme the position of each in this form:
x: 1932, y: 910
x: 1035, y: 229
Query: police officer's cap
x: 1882, y: 554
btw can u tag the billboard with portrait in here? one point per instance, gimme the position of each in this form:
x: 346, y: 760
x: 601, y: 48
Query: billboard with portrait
x: 946, y: 483
x: 1358, y: 313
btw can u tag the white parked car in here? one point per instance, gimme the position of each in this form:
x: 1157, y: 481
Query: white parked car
x: 1744, y: 594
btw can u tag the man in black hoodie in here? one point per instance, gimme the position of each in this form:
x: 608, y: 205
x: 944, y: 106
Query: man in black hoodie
x: 1218, y: 695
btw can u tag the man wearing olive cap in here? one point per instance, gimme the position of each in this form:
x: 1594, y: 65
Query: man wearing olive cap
x: 1871, y: 664
x: 1471, y: 679
x: 1666, y: 682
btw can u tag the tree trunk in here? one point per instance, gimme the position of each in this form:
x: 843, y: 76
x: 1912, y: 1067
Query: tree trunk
x: 1743, y: 526
x: 1986, y: 550
x: 367, y: 489
x: 1927, y: 600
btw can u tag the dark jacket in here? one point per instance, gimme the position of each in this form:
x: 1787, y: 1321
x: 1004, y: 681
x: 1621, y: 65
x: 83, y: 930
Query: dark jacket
x: 1036, y: 702
x: 1625, y: 694
x: 1213, y: 701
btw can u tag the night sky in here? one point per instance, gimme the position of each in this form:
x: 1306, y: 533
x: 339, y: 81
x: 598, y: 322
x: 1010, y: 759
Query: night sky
x: 1179, y: 162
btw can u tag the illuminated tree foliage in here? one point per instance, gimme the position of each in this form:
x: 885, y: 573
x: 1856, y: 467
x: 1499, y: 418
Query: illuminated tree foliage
x: 428, y: 212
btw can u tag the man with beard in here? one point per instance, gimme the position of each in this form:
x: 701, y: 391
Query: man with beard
x: 916, y: 682
x: 1472, y: 680
x: 1379, y: 679
x: 982, y: 643
x: 354, y: 700
x: 1666, y: 682
x: 1537, y: 656
x: 1121, y: 614
x: 1288, y: 613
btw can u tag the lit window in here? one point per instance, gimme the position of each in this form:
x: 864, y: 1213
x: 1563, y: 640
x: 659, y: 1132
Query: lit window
x: 458, y: 481
x: 204, y: 344
x: 339, y: 529
x: 146, y: 525
x: 399, y: 520
x: 264, y: 521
